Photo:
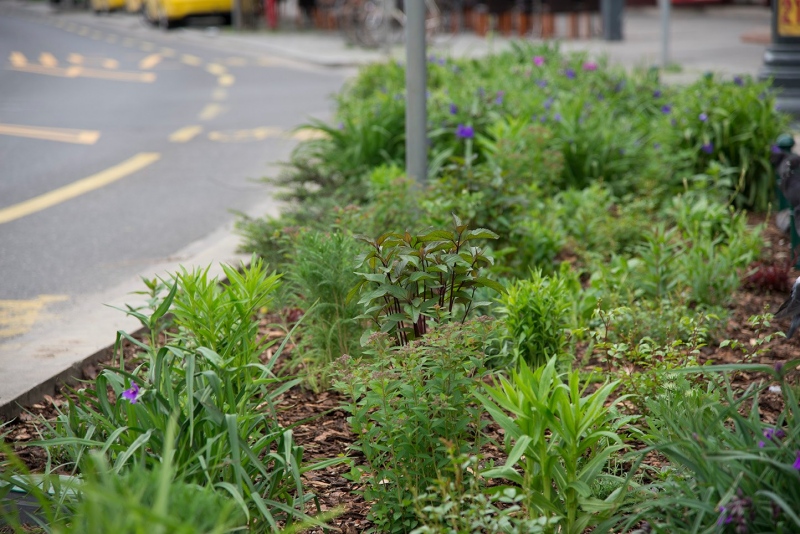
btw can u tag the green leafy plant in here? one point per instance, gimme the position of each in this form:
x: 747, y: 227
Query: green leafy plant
x: 535, y: 315
x: 410, y: 408
x: 412, y: 279
x: 321, y: 277
x: 559, y: 440
x: 734, y: 471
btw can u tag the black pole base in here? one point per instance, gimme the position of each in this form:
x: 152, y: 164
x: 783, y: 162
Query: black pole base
x: 782, y: 64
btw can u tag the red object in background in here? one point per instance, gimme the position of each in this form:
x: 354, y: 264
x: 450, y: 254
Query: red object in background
x: 271, y: 13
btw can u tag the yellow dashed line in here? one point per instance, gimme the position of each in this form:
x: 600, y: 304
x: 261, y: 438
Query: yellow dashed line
x: 168, y: 52
x: 226, y: 80
x: 307, y: 134
x: 191, y: 60
x: 64, y: 135
x: 48, y: 60
x: 150, y: 61
x: 76, y: 71
x: 17, y: 59
x: 210, y: 111
x: 185, y: 134
x: 216, y: 69
x: 256, y: 134
x: 110, y: 63
x: 78, y: 188
x: 75, y: 59
x: 17, y: 317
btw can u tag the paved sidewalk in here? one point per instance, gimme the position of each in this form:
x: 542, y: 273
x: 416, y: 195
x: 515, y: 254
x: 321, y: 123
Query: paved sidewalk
x: 729, y: 40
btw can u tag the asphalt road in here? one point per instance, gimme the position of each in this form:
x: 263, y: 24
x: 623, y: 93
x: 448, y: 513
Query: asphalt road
x: 120, y: 145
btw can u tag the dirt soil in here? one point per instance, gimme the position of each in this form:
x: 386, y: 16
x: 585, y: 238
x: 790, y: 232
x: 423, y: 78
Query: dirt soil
x: 320, y: 425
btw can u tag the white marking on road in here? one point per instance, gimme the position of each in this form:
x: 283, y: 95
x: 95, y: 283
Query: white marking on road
x: 81, y: 187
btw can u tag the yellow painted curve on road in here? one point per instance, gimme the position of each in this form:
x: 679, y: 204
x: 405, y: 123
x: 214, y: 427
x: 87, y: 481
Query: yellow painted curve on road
x: 75, y: 189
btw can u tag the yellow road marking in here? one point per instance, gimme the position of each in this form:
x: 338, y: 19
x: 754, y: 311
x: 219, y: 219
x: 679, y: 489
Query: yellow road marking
x: 256, y: 134
x: 226, y: 80
x: 17, y: 59
x: 307, y: 134
x: 210, y: 111
x: 191, y: 60
x: 168, y: 52
x: 219, y: 94
x: 110, y: 63
x: 17, y: 317
x: 75, y: 59
x: 150, y: 61
x: 147, y: 46
x: 48, y: 60
x: 111, y: 39
x: 236, y: 61
x: 75, y: 189
x: 185, y: 134
x: 216, y: 69
x: 266, y: 61
x: 77, y: 70
x: 63, y: 135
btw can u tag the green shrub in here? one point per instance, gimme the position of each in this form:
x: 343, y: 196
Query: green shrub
x: 411, y: 407
x: 535, y: 315
x: 321, y: 276
x: 559, y: 439
x: 734, y: 472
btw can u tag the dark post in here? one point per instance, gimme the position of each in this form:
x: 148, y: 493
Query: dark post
x: 782, y: 57
x: 611, y: 15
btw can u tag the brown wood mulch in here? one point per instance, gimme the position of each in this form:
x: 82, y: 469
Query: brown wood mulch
x: 320, y: 426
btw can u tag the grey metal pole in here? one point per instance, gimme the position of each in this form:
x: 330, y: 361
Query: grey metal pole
x: 416, y: 83
x: 665, y: 15
x: 237, y: 14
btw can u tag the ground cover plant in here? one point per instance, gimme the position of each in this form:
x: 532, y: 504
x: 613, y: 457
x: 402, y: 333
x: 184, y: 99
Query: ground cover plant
x: 524, y: 343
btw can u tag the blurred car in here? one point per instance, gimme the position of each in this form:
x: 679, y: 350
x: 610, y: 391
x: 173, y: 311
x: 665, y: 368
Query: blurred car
x: 106, y: 6
x: 133, y: 6
x: 171, y: 13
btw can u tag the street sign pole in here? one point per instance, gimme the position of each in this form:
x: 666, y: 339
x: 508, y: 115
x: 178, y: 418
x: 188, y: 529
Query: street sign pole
x: 416, y: 82
x: 665, y: 15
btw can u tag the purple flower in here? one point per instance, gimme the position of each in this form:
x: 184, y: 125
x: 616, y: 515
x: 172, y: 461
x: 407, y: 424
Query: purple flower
x: 738, y: 80
x: 708, y: 148
x: 542, y: 83
x: 673, y: 122
x: 656, y: 145
x: 557, y: 117
x: 569, y: 73
x: 600, y: 96
x: 657, y: 93
x: 499, y: 99
x: 761, y: 444
x: 666, y: 108
x: 132, y: 394
x: 453, y: 109
x: 590, y: 65
x: 775, y: 149
x: 465, y: 132
x: 724, y: 517
x: 796, y: 463
x: 341, y: 126
x: 538, y: 60
x: 703, y: 117
x: 548, y: 103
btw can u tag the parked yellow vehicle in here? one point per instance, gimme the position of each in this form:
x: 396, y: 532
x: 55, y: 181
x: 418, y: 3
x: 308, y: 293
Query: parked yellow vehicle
x: 106, y: 6
x: 133, y: 6
x: 170, y: 13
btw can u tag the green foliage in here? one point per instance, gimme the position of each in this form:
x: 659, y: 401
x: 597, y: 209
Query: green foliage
x: 734, y: 471
x: 321, y: 277
x: 227, y: 438
x: 414, y: 279
x: 535, y: 312
x: 411, y: 408
x: 458, y: 505
x: 559, y: 440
